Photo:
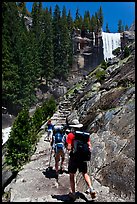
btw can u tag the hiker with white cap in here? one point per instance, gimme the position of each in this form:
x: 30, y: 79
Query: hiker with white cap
x: 75, y: 162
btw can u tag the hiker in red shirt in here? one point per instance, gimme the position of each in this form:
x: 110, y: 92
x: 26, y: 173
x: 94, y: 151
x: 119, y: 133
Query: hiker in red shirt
x: 74, y: 164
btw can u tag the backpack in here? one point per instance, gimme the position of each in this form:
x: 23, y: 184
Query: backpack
x: 81, y: 148
x: 59, y: 138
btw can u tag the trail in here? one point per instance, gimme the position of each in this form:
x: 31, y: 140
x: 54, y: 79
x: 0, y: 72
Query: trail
x: 37, y: 183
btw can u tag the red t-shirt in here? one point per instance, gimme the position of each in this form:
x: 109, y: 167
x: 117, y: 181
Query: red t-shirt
x: 71, y: 137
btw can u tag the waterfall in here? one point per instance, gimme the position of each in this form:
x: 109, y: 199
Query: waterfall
x: 111, y: 41
x: 5, y: 134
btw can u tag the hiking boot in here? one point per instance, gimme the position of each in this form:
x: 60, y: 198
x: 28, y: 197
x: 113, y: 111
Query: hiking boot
x: 93, y: 194
x: 73, y: 196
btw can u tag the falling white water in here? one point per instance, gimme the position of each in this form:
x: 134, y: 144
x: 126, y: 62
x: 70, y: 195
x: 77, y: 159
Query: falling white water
x: 5, y: 134
x: 111, y: 41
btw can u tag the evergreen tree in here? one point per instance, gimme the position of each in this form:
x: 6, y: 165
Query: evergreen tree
x: 70, y: 21
x: 86, y: 20
x: 57, y: 40
x: 10, y: 34
x: 92, y: 23
x: 120, y: 26
x: 107, y: 29
x: 100, y: 17
x: 19, y: 142
x: 64, y: 44
x: 126, y: 28
x: 70, y: 48
x: 77, y: 18
x: 47, y: 60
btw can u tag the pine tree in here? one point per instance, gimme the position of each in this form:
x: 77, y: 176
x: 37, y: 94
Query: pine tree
x: 10, y: 34
x: 107, y: 29
x: 47, y: 60
x: 70, y: 48
x: 70, y: 21
x: 77, y: 18
x: 126, y: 28
x: 100, y: 17
x: 86, y: 21
x: 19, y: 142
x: 57, y: 40
x: 92, y: 23
x: 64, y: 44
x: 119, y: 26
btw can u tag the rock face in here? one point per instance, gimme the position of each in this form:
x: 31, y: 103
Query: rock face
x: 107, y: 110
x: 109, y: 114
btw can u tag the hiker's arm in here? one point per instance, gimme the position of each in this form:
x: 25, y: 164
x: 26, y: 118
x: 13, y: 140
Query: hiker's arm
x: 89, y: 144
x: 69, y: 141
x: 69, y: 147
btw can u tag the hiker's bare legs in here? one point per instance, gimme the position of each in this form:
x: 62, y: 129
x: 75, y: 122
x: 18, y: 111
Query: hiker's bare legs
x: 72, y: 182
x: 62, y: 161
x: 87, y: 179
x: 56, y: 165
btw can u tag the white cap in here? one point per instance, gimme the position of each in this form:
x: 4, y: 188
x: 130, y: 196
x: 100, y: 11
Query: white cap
x: 75, y: 123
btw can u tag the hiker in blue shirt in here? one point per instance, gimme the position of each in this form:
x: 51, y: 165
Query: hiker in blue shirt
x: 58, y: 145
x: 50, y: 131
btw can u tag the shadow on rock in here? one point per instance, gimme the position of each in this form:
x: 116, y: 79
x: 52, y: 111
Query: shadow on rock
x: 50, y: 173
x: 83, y: 197
x: 67, y: 198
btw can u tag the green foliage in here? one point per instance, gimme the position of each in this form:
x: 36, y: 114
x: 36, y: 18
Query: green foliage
x: 86, y: 21
x: 37, y: 119
x: 126, y: 52
x: 48, y: 108
x: 46, y: 47
x: 100, y: 74
x: 104, y: 65
x: 116, y: 51
x: 126, y: 28
x: 120, y: 26
x: 24, y: 134
x: 107, y: 28
x: 70, y: 21
x: 43, y: 51
x: 100, y: 17
x: 19, y: 142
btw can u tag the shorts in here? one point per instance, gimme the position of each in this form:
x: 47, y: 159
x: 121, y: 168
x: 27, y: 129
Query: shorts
x: 60, y: 153
x: 74, y: 165
x: 50, y: 132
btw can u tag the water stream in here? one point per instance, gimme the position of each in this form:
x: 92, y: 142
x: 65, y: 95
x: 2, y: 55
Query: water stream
x: 111, y: 41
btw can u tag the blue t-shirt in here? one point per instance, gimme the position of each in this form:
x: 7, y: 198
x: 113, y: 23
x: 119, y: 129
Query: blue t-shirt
x: 50, y: 127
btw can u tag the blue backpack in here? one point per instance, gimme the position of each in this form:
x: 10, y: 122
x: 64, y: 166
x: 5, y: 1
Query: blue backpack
x: 59, y: 138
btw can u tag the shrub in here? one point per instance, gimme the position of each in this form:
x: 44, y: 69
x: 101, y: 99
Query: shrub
x: 126, y: 52
x: 104, y: 65
x: 116, y: 51
x: 100, y: 74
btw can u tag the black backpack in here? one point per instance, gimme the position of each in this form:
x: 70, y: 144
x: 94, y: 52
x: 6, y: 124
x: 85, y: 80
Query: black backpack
x: 81, y: 148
